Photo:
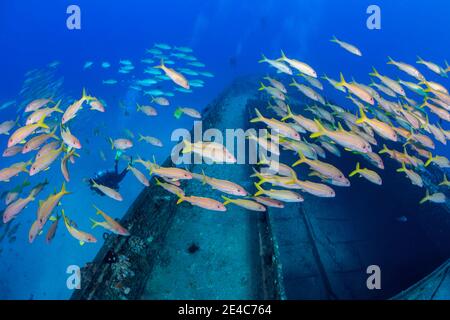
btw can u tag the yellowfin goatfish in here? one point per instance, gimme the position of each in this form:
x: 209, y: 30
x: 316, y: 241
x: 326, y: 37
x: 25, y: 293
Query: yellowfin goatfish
x: 244, y: 203
x: 43, y: 162
x: 277, y: 84
x: 383, y: 129
x: 81, y: 236
x: 36, y: 104
x: 305, y: 123
x: 391, y: 84
x: 46, y: 207
x: 109, y: 224
x: 44, y: 112
x: 370, y: 175
x: 147, y: 110
x: 414, y: 177
x: 121, y: 144
x: 176, y: 77
x: 187, y: 111
x: 407, y: 68
x: 355, y: 89
x: 300, y: 66
x: 169, y: 187
x: 277, y: 65
x: 36, y: 142
x: 202, y: 202
x: 23, y: 132
x: 326, y: 169
x: 438, y: 197
x: 307, y: 91
x: 13, y: 170
x: 113, y: 194
x: 151, y: 140
x: 274, y: 92
x: 224, y: 185
x: 345, y: 139
x: 70, y: 139
x: 13, y: 209
x: 432, y: 66
x: 278, y: 126
x: 211, y: 150
x: 139, y: 175
x: 73, y: 109
x: 440, y: 161
x: 347, y: 46
x: 281, y: 195
x: 268, y: 202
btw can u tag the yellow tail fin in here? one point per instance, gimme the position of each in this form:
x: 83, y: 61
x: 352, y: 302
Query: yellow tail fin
x: 263, y: 160
x: 363, y: 117
x: 86, y: 97
x: 384, y: 150
x: 227, y: 200
x: 430, y: 159
x: 322, y: 131
x: 342, y: 81
x: 264, y: 59
x: 403, y: 168
x: 259, y: 117
x: 444, y: 182
x: 356, y: 171
x: 203, y: 177
x: 374, y: 73
x: 112, y: 143
x: 260, y: 190
x: 301, y: 160
x: 426, y: 198
x: 63, y: 189
x: 161, y: 65
x: 289, y: 115
x: 41, y: 123
x: 391, y: 61
x: 95, y: 223
x: 187, y: 147
x: 97, y: 210
x: 158, y: 182
x: 56, y: 107
x: 293, y: 83
x: 334, y: 39
x: 181, y: 198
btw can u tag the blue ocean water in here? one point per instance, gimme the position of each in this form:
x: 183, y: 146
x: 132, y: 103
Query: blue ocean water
x: 228, y: 36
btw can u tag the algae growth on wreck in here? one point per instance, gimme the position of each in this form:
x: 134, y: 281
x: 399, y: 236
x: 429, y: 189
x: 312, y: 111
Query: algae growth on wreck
x: 107, y: 109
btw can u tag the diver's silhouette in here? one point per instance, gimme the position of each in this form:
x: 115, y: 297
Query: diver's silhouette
x: 110, y: 178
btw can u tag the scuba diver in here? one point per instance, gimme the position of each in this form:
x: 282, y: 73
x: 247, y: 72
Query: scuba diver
x: 110, y: 178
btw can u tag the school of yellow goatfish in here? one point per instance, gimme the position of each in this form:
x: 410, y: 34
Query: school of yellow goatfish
x: 385, y: 114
